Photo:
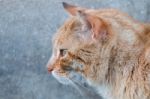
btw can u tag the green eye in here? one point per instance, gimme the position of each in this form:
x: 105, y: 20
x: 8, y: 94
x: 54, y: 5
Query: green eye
x: 63, y: 52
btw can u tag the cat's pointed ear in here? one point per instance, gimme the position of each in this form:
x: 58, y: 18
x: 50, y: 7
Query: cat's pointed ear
x: 97, y: 26
x: 71, y: 9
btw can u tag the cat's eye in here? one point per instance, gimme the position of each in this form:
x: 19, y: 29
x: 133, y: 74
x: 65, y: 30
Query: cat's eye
x: 63, y: 52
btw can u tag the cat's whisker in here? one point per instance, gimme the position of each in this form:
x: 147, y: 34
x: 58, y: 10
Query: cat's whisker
x: 76, y: 86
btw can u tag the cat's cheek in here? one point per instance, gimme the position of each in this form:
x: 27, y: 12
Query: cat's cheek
x: 76, y: 76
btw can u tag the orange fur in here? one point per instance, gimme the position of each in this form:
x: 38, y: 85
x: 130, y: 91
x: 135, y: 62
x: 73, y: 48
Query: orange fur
x: 117, y: 59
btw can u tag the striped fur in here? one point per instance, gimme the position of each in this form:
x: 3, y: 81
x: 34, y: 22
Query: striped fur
x: 118, y: 68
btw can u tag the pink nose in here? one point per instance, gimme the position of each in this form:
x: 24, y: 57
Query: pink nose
x: 50, y: 69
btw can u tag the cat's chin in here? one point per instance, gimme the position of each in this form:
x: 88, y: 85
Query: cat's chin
x: 61, y: 79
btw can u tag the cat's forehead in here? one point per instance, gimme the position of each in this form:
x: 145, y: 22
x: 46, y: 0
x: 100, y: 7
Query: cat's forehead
x: 67, y: 32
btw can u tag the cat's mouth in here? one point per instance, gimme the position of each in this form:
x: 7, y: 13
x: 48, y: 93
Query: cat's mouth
x: 66, y: 77
x: 61, y: 77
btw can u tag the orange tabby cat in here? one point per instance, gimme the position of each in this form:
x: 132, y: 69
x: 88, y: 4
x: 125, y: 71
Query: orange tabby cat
x: 107, y: 48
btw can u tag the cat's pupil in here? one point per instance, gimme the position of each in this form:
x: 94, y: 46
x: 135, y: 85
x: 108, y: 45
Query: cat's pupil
x: 63, y: 52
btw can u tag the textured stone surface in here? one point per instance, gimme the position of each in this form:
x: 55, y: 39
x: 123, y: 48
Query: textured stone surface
x: 26, y: 28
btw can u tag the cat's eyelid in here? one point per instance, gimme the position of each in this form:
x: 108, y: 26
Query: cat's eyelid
x: 63, y: 52
x: 63, y: 49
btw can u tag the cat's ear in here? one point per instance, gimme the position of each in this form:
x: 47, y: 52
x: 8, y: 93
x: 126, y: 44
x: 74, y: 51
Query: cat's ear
x: 71, y: 9
x: 97, y: 26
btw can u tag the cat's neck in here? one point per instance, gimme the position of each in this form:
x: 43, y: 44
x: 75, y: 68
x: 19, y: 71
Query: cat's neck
x: 123, y: 64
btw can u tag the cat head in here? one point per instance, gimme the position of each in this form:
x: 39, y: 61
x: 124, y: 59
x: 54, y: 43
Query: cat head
x: 77, y: 46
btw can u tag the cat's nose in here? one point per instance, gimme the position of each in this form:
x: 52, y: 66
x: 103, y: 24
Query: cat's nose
x: 51, y: 63
x: 50, y: 69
